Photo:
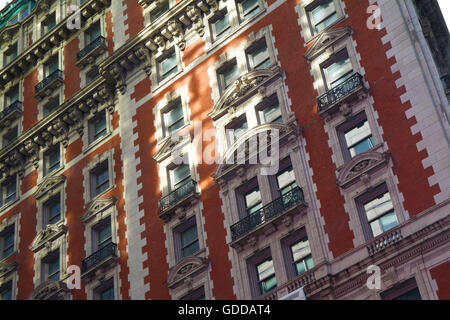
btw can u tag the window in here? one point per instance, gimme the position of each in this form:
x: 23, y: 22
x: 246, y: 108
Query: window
x: 167, y: 65
x: 97, y: 127
x: 105, y: 291
x: 92, y: 33
x: 11, y: 96
x: 102, y: 234
x: 248, y: 8
x: 297, y: 254
x: 197, y: 294
x: 99, y: 179
x: 159, y: 10
x: 10, y: 136
x: 51, y: 267
x: 253, y: 201
x: 258, y: 56
x: 6, y: 291
x: 322, y: 15
x: 355, y: 136
x: 51, y: 105
x: 227, y: 74
x: 173, y: 118
x: 52, y: 210
x: 337, y: 70
x: 236, y: 129
x: 10, y: 54
x: 261, y: 272
x: 186, y: 239
x: 91, y: 75
x: 48, y: 24
x: 286, y: 181
x: 270, y: 111
x: 9, y: 191
x: 378, y: 211
x: 7, y: 242
x: 220, y: 25
x: 51, y: 65
x: 406, y: 290
x: 179, y: 176
x: 52, y: 160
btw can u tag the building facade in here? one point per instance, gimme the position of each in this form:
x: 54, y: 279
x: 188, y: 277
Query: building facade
x: 232, y: 149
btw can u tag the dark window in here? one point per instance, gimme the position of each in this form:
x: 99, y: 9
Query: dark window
x: 355, y: 136
x: 10, y: 54
x: 167, y: 65
x: 406, y: 290
x: 10, y: 136
x: 159, y: 10
x: 48, y: 24
x: 248, y: 8
x: 173, y: 118
x: 99, y: 179
x: 51, y: 267
x: 7, y: 242
x: 105, y: 291
x: 261, y: 273
x: 102, y: 234
x: 248, y: 198
x: 186, y: 239
x: 337, y: 69
x: 51, y: 105
x: 179, y: 176
x: 11, y: 96
x: 8, y: 190
x: 92, y: 33
x: 91, y: 75
x: 227, y: 74
x: 51, y: 65
x: 6, y: 291
x: 236, y: 129
x: 220, y: 25
x: 52, y: 160
x: 297, y: 253
x: 321, y: 15
x: 97, y: 127
x: 52, y: 210
x: 197, y: 294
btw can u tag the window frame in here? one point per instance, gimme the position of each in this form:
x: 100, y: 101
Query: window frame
x: 286, y: 245
x: 257, y: 45
x: 177, y: 235
x: 9, y: 231
x: 46, y: 208
x: 46, y: 157
x: 220, y: 73
x: 167, y: 110
x: 102, y: 287
x: 100, y: 168
x: 172, y: 52
x: 336, y: 57
x: 311, y: 7
x: 45, y: 265
x: 253, y: 277
x: 95, y: 137
x: 218, y: 16
x: 3, y: 188
x: 401, y: 289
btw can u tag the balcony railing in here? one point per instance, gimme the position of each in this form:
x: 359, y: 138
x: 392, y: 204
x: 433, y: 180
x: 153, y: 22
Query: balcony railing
x: 13, y: 109
x: 340, y: 92
x: 98, y: 42
x: 176, y: 196
x: 95, y: 259
x: 269, y: 211
x: 385, y: 240
x: 56, y: 77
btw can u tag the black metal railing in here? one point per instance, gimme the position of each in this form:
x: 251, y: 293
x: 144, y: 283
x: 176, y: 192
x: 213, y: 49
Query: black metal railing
x: 91, y: 46
x: 177, y: 195
x: 15, y: 106
x: 339, y: 92
x: 57, y: 74
x: 267, y: 212
x: 108, y: 251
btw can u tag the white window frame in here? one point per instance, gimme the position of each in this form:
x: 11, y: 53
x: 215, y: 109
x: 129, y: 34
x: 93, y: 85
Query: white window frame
x: 90, y: 145
x: 106, y: 158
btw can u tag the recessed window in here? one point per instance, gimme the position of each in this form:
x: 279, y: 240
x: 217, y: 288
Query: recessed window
x: 92, y: 33
x: 266, y: 276
x: 186, y: 239
x: 248, y: 8
x: 253, y: 201
x: 51, y: 65
x: 51, y: 105
x: 52, y: 210
x: 97, y: 127
x: 322, y: 15
x: 337, y: 70
x: 270, y: 111
x: 48, y: 24
x: 102, y: 235
x: 406, y: 290
x: 358, y: 139
x: 91, y: 75
x: 258, y: 55
x: 159, y: 10
x: 99, y: 179
x: 173, y: 118
x: 286, y: 180
x: 228, y: 74
x: 9, y: 191
x: 51, y: 267
x: 105, y: 291
x: 11, y: 96
x: 167, y: 65
x: 377, y: 211
x: 197, y: 294
x: 297, y: 254
x: 236, y: 129
x: 52, y: 160
x: 6, y: 291
x: 179, y: 176
x: 10, y: 54
x: 7, y: 242
x: 220, y: 25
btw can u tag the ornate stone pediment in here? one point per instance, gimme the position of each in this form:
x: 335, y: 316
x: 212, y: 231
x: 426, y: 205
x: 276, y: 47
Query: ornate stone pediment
x: 185, y: 269
x: 243, y: 87
x: 48, y: 185
x: 360, y: 166
x: 7, y: 268
x: 45, y: 237
x: 325, y: 40
x: 97, y: 207
x: 171, y: 145
x: 50, y: 290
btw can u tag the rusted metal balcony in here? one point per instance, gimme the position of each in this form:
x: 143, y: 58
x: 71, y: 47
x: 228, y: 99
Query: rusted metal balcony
x: 91, y: 52
x: 179, y: 198
x: 10, y: 113
x: 267, y: 214
x: 102, y: 258
x: 50, y: 83
x: 346, y: 92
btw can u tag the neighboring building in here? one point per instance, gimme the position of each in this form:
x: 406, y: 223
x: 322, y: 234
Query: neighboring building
x: 89, y: 164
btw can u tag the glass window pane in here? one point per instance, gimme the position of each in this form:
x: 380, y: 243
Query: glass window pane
x: 378, y: 206
x: 286, y: 178
x: 327, y: 22
x: 222, y: 25
x: 189, y: 235
x: 239, y: 132
x: 268, y: 284
x: 6, y: 294
x: 272, y: 114
x: 323, y: 15
x: 300, y: 250
x: 252, y: 198
x: 54, y: 212
x: 309, y: 262
x: 180, y: 174
x: 357, y: 133
x: 190, y: 249
x: 414, y: 294
x: 158, y: 12
x: 175, y: 118
x: 102, y: 181
x: 388, y: 221
x: 104, y: 234
x: 265, y: 269
x: 249, y: 8
x: 169, y: 66
x: 229, y: 75
x: 107, y: 294
x: 362, y: 146
x: 338, y: 72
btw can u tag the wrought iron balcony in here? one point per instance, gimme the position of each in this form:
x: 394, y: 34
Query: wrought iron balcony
x: 344, y: 92
x: 177, y: 198
x: 270, y: 211
x: 91, y: 51
x: 106, y: 254
x: 10, y: 113
x: 51, y: 82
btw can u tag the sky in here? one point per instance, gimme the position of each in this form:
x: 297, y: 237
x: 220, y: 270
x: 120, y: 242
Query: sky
x: 445, y: 8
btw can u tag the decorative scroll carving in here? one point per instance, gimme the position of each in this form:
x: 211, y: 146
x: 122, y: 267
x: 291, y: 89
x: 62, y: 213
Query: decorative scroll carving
x: 186, y: 269
x: 96, y: 207
x: 45, y: 237
x: 48, y: 185
x: 325, y: 40
x: 50, y: 290
x: 175, y: 28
